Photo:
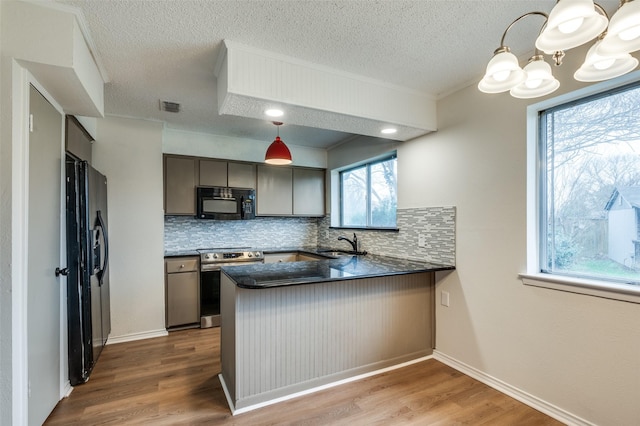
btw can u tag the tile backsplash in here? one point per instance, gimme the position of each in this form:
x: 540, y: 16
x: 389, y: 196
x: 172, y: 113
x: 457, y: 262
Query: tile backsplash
x: 435, y: 224
x: 188, y: 233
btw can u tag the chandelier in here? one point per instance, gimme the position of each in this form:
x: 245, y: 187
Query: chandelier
x: 570, y: 23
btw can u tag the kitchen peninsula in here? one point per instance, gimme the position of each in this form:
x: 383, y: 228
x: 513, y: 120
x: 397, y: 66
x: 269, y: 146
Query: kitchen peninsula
x: 292, y: 327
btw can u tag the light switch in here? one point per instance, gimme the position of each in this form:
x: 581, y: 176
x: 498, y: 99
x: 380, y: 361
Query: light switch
x: 444, y: 298
x: 422, y: 240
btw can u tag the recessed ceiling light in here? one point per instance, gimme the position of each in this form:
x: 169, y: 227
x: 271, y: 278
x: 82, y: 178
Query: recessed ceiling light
x: 389, y: 130
x: 273, y: 112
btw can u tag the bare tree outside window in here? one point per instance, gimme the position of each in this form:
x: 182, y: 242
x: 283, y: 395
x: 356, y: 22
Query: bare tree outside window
x: 369, y: 195
x: 592, y: 196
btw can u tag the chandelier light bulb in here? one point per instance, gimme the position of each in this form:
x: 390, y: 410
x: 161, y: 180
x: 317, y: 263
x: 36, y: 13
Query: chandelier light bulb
x: 603, y: 64
x: 533, y: 83
x: 630, y: 33
x: 571, y: 26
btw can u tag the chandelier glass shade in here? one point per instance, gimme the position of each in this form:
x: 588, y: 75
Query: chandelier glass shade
x: 623, y: 34
x: 539, y: 81
x: 570, y: 23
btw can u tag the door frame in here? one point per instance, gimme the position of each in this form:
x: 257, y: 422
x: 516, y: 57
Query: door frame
x: 21, y: 81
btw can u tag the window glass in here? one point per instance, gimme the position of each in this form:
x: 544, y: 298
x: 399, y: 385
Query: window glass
x: 383, y: 193
x: 590, y: 208
x: 368, y: 195
x: 354, y: 197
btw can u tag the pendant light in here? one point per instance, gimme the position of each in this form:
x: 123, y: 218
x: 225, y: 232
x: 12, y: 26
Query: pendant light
x: 278, y: 153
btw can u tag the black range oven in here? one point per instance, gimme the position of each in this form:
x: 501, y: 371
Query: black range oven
x: 211, y: 261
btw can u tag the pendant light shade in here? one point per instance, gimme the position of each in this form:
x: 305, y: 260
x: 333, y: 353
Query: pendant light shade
x: 623, y: 34
x: 278, y: 153
x: 571, y: 23
x: 599, y: 67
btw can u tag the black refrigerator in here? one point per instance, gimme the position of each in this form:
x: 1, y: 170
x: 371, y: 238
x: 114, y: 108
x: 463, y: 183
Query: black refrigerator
x: 88, y: 307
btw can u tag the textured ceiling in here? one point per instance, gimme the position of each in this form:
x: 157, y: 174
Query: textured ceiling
x: 166, y: 49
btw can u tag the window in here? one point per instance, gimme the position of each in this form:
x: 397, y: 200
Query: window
x: 589, y: 180
x: 368, y: 195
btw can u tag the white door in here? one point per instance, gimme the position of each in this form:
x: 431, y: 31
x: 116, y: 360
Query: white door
x: 43, y: 288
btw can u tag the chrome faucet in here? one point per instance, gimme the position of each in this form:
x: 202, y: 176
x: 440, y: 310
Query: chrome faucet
x: 353, y: 243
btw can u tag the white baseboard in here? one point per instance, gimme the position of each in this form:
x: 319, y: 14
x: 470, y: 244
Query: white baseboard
x: 522, y: 396
x: 137, y: 336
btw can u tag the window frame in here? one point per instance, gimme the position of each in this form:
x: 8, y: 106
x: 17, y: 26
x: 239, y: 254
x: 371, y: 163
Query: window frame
x: 367, y: 164
x: 536, y: 199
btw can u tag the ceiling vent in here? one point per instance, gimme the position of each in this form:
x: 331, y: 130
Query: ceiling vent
x: 169, y: 106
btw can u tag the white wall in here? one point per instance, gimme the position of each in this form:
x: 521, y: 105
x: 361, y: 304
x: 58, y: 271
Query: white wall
x: 229, y: 148
x: 129, y: 153
x: 579, y: 353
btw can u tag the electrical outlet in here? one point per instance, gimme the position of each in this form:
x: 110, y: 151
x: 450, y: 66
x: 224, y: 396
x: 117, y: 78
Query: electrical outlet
x: 422, y: 240
x: 444, y: 298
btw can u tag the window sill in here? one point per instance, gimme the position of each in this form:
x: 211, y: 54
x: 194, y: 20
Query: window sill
x: 366, y: 228
x: 622, y: 292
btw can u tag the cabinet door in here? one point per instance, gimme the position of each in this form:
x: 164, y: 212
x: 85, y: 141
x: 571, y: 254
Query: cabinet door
x: 182, y: 298
x: 213, y: 173
x: 308, y: 192
x: 180, y: 186
x: 242, y: 175
x: 280, y: 257
x: 275, y: 191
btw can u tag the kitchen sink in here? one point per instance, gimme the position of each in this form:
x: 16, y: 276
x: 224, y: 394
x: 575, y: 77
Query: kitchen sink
x: 338, y: 253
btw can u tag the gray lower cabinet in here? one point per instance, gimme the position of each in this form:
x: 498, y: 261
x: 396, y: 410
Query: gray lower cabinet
x: 182, y: 292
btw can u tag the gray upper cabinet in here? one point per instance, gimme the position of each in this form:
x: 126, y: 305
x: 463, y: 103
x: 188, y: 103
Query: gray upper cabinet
x: 227, y: 173
x: 286, y: 191
x: 213, y: 173
x: 275, y: 190
x: 242, y: 175
x: 308, y: 192
x: 180, y: 177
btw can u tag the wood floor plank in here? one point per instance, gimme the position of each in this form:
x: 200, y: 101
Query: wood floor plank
x: 174, y: 380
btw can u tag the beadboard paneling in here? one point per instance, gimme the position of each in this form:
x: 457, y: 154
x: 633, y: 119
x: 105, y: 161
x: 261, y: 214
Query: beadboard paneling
x: 289, y: 339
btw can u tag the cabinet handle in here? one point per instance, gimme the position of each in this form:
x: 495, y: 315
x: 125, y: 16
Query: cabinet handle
x: 182, y: 266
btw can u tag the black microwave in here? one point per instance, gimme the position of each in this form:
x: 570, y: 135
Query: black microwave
x: 224, y: 203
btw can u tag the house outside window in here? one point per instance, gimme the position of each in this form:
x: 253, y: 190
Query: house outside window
x: 368, y: 194
x: 589, y: 180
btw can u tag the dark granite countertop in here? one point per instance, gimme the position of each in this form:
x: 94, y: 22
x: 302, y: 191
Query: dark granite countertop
x: 344, y: 267
x: 180, y: 253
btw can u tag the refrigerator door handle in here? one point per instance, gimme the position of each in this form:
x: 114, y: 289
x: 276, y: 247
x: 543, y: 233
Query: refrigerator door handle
x: 101, y: 224
x: 63, y: 271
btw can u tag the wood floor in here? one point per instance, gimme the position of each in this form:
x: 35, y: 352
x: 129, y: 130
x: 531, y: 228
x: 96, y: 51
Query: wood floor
x: 173, y: 380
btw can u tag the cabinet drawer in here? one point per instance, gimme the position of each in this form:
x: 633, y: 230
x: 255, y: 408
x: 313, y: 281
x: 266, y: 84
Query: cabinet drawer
x: 181, y: 265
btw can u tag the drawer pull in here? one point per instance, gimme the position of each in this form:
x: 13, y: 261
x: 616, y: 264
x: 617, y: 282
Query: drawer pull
x: 182, y: 266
